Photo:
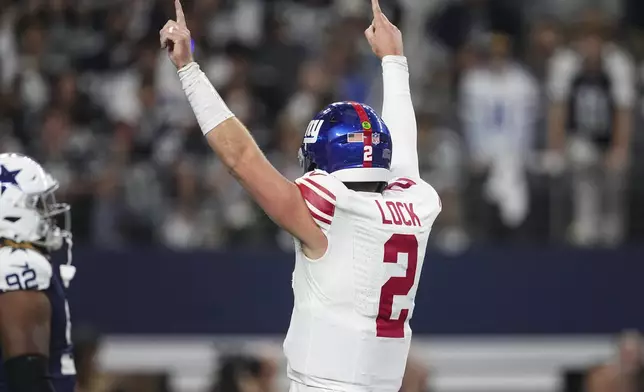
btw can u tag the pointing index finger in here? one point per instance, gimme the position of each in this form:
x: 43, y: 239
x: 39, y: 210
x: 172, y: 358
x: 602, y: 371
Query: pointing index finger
x: 375, y: 7
x: 181, y: 17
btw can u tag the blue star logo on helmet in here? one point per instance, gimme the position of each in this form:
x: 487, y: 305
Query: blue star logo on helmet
x: 8, y: 177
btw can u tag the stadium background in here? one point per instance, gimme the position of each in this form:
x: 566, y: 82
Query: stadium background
x: 178, y: 270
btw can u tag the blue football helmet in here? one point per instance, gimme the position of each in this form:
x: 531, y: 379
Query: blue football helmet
x: 349, y: 141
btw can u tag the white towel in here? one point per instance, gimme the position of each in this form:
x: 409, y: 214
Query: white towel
x: 508, y: 189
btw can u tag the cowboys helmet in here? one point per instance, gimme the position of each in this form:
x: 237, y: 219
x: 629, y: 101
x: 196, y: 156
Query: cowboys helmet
x: 28, y: 207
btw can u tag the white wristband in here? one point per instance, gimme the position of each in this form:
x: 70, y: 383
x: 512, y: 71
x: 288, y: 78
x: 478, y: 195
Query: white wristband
x: 399, y: 61
x: 206, y: 103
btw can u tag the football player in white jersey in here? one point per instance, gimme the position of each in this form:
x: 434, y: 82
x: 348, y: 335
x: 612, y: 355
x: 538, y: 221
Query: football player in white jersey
x: 361, y: 217
x: 35, y: 329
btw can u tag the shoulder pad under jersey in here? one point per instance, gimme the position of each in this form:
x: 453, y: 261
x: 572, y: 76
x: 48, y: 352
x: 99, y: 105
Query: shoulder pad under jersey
x: 420, y: 191
x: 23, y: 269
x: 322, y: 193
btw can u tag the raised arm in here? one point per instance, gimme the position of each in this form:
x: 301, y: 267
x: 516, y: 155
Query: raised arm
x: 398, y: 110
x: 398, y: 113
x: 229, y: 138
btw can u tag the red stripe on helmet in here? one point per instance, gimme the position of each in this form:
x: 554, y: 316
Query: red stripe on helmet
x: 367, y: 133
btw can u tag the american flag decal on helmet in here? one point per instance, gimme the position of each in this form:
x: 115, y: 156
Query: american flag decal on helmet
x: 357, y: 137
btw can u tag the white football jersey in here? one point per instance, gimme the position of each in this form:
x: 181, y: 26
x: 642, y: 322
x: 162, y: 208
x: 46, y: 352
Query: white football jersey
x: 350, y: 325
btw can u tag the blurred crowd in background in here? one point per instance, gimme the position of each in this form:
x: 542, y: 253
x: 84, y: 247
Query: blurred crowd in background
x: 236, y: 372
x: 528, y: 112
x: 259, y: 371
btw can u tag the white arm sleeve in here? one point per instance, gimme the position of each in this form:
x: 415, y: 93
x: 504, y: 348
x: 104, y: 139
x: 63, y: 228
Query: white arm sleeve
x: 399, y: 116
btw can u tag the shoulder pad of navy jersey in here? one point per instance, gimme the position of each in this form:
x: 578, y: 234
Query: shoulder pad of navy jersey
x: 23, y: 269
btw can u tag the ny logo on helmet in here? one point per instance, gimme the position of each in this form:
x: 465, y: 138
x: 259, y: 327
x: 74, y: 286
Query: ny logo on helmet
x: 312, y: 131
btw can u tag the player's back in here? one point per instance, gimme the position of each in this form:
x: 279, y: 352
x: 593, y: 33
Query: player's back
x: 350, y: 325
x: 27, y: 269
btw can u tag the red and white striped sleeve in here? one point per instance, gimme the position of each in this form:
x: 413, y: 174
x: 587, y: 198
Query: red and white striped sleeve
x: 319, y: 191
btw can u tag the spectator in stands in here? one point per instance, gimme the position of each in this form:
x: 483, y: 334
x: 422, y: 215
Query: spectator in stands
x: 631, y: 362
x: 545, y: 39
x: 285, y: 160
x: 499, y: 101
x: 189, y: 223
x: 86, y: 90
x: 9, y: 60
x: 141, y: 383
x: 108, y: 211
x: 87, y: 343
x: 239, y: 374
x: 313, y: 91
x: 441, y: 157
x: 461, y: 25
x: 601, y: 378
x: 276, y: 61
x: 237, y: 216
x: 592, y: 91
x: 625, y: 373
x: 270, y: 370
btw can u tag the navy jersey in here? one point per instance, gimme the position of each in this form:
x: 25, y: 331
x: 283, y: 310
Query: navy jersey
x: 26, y: 269
x: 591, y: 107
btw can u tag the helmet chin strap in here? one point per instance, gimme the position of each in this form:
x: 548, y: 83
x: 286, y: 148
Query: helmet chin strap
x: 67, y: 270
x: 54, y: 241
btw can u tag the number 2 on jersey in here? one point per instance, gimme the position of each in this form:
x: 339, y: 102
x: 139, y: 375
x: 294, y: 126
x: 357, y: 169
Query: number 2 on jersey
x: 386, y: 326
